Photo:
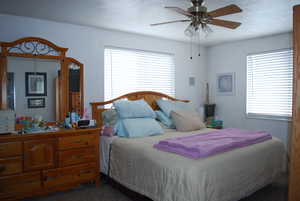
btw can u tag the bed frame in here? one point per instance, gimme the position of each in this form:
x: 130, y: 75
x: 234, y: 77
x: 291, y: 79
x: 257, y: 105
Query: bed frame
x: 148, y: 96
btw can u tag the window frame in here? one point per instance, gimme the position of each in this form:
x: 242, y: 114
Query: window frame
x: 264, y: 116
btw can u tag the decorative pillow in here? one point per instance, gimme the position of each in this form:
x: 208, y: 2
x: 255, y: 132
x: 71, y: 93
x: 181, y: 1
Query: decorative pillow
x: 141, y: 127
x: 167, y: 106
x: 186, y: 120
x: 108, y: 131
x: 110, y: 117
x: 134, y: 109
x: 164, y: 119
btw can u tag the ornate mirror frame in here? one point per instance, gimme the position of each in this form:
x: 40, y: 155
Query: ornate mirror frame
x: 34, y: 47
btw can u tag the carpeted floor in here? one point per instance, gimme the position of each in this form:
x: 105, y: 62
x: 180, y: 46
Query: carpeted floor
x: 88, y: 192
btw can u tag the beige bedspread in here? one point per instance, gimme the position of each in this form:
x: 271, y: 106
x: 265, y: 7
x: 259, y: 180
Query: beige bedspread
x: 164, y: 176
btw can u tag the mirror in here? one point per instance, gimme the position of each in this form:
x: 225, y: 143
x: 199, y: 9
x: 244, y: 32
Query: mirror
x: 75, y: 86
x: 31, y: 87
x: 37, y: 79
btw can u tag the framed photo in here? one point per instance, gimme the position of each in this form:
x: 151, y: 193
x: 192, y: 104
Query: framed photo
x: 36, y: 102
x: 36, y: 84
x: 226, y: 84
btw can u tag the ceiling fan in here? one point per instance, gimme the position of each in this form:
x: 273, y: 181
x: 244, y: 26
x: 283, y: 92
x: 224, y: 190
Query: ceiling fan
x: 201, y: 18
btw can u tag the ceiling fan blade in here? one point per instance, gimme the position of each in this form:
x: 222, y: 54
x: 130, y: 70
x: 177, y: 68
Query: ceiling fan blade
x: 180, y: 10
x: 170, y: 22
x: 225, y: 23
x: 227, y: 10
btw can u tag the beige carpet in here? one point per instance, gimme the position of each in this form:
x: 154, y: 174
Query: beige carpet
x: 88, y: 192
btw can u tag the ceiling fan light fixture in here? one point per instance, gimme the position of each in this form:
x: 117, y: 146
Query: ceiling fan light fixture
x: 190, y: 31
x: 206, y: 30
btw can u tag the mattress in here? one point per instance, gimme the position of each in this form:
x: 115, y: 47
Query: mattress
x: 164, y: 176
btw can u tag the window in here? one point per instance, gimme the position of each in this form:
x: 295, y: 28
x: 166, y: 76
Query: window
x: 128, y: 70
x: 270, y: 84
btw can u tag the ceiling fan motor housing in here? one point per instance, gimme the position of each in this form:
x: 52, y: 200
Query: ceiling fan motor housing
x: 197, y: 2
x: 197, y: 9
x: 200, y: 15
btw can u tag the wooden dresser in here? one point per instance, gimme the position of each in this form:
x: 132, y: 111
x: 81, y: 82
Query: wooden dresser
x: 37, y: 164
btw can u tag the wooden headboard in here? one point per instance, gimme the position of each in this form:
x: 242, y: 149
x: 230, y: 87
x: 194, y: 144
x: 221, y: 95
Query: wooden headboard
x: 148, y: 96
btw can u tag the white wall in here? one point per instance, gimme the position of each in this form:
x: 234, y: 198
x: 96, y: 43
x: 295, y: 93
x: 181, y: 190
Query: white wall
x: 87, y: 45
x: 231, y: 57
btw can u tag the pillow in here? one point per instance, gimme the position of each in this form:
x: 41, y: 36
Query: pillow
x: 142, y: 127
x: 167, y: 106
x: 186, y: 120
x: 120, y: 129
x: 134, y: 109
x: 164, y: 119
x: 110, y: 117
x: 108, y: 131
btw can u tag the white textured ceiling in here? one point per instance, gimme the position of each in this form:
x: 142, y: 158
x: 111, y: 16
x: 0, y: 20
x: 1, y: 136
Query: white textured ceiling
x: 259, y: 17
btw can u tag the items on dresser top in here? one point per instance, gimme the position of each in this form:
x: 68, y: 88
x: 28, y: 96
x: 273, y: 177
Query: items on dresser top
x: 40, y: 163
x: 7, y: 121
x: 86, y: 123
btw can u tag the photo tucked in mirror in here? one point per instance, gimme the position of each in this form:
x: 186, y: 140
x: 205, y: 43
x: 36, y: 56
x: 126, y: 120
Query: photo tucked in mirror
x: 31, y: 87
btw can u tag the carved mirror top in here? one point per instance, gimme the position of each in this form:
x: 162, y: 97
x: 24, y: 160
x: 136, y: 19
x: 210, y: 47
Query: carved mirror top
x: 32, y: 47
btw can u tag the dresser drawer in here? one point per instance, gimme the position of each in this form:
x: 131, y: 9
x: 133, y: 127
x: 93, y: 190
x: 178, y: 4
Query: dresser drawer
x: 11, y: 166
x: 76, y: 156
x: 79, y: 141
x: 69, y: 175
x: 25, y: 183
x: 39, y: 154
x: 10, y: 149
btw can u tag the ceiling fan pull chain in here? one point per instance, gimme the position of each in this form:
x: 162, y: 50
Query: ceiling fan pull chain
x: 191, y: 47
x: 199, y: 47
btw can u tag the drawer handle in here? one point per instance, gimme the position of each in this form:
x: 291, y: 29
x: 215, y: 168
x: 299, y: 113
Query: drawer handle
x: 2, y: 167
x: 84, y: 171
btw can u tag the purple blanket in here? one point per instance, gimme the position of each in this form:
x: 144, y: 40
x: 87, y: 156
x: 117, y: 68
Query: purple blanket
x: 207, y: 144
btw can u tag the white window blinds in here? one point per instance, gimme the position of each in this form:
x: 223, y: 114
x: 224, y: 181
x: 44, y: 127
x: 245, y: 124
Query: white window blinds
x: 128, y: 71
x: 270, y: 84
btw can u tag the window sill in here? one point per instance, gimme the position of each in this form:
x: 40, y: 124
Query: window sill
x: 268, y: 117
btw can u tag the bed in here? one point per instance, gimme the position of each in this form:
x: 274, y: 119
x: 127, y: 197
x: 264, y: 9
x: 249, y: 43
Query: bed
x: 164, y: 176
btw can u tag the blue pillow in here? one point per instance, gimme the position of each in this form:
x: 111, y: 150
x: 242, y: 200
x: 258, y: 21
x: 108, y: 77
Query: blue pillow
x: 167, y: 106
x: 120, y: 129
x: 134, y: 109
x: 140, y: 127
x: 164, y: 119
